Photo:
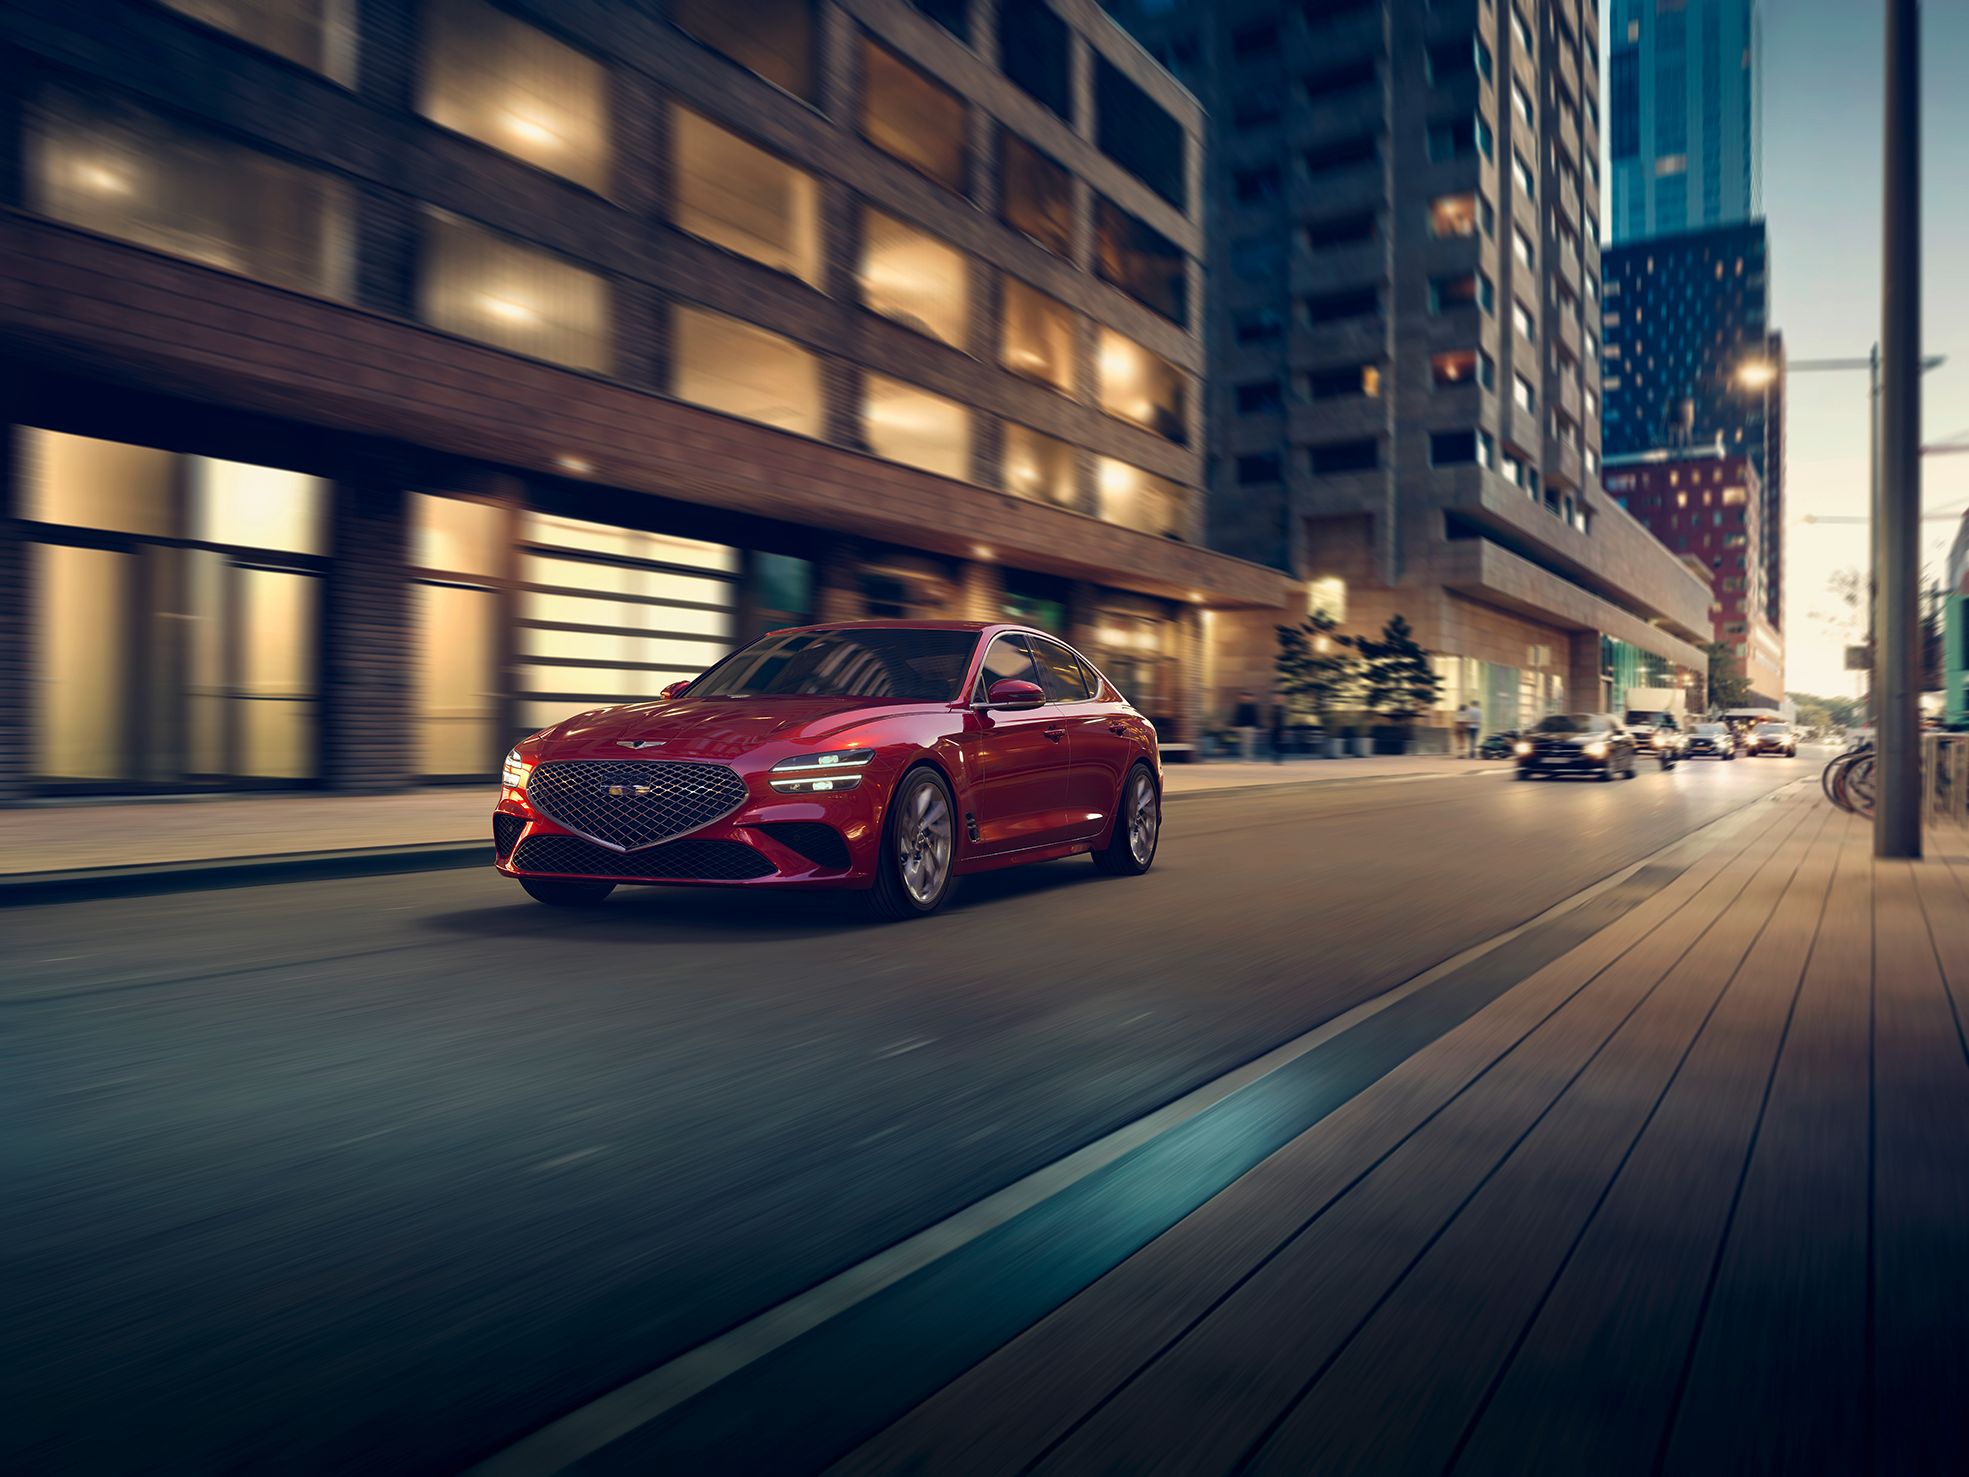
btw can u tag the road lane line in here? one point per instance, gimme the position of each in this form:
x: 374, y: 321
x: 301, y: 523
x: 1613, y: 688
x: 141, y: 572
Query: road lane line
x: 586, y: 1430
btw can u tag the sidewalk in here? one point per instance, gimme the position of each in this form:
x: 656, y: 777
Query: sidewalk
x: 220, y: 839
x: 1689, y: 1196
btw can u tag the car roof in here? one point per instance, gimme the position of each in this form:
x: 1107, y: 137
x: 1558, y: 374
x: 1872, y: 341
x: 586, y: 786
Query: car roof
x: 978, y: 627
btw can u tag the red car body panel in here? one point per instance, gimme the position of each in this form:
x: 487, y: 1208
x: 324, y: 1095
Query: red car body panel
x: 1029, y: 784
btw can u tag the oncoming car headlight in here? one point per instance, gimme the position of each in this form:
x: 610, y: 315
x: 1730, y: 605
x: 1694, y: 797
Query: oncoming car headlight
x: 1597, y: 749
x: 513, y: 773
x: 817, y: 774
x: 1521, y: 748
x: 1661, y: 739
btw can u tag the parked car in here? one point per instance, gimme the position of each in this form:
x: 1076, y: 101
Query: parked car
x: 1770, y: 739
x: 1577, y: 743
x: 1711, y: 741
x: 1658, y: 730
x: 882, y: 757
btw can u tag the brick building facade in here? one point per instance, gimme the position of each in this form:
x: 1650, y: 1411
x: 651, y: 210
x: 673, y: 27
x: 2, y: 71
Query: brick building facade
x: 382, y: 380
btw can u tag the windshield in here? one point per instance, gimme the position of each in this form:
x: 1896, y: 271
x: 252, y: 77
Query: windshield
x: 887, y: 662
x: 1775, y: 728
x: 1572, y: 723
x: 1710, y: 730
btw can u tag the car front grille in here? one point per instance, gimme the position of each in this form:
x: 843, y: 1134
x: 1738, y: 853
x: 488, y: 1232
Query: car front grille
x: 505, y: 831
x: 675, y: 861
x: 633, y: 803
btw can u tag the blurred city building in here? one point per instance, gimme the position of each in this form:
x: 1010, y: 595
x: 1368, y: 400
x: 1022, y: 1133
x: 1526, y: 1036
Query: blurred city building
x: 1692, y: 362
x: 1403, y: 336
x: 1684, y: 115
x: 383, y: 381
x: 1706, y: 505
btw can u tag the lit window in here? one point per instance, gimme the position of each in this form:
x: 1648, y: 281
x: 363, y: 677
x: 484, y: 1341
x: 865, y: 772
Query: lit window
x: 1520, y: 30
x: 256, y: 507
x: 129, y: 174
x: 906, y: 114
x: 912, y: 277
x: 904, y: 424
x: 1036, y: 336
x: 1521, y: 319
x: 1039, y: 467
x: 1037, y: 195
x: 1453, y: 215
x: 502, y: 82
x: 1521, y: 246
x: 319, y: 34
x: 740, y: 197
x: 1523, y: 394
x: 774, y: 38
x: 482, y: 286
x: 1521, y: 101
x: 1526, y: 185
x: 1453, y: 368
x: 1136, y: 499
x: 723, y: 364
x: 1141, y: 387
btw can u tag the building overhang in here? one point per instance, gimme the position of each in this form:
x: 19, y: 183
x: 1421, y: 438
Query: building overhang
x: 1490, y: 574
x: 82, y: 304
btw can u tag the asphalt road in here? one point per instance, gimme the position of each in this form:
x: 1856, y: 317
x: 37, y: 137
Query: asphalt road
x: 386, y: 1173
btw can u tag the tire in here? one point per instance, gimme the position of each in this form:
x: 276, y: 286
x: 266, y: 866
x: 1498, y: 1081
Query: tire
x: 561, y: 892
x: 915, y: 871
x: 1633, y: 769
x: 1137, y: 827
x: 1524, y: 774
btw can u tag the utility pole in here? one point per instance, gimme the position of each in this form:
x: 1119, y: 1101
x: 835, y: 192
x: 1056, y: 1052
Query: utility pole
x: 1897, y: 523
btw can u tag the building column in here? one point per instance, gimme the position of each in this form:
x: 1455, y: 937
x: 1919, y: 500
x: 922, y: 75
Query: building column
x: 980, y: 591
x: 368, y: 686
x: 837, y: 589
x: 1187, y: 642
x: 16, y: 633
x: 1584, y: 674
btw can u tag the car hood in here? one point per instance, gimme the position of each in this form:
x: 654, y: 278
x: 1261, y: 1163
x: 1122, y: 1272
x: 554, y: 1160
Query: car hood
x: 710, y: 728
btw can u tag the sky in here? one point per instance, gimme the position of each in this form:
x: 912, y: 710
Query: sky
x: 1823, y: 65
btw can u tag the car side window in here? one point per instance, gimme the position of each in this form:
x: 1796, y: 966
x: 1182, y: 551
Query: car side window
x: 1007, y: 658
x: 1059, y: 672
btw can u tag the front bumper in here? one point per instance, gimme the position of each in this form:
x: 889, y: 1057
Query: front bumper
x: 1558, y: 763
x: 768, y: 841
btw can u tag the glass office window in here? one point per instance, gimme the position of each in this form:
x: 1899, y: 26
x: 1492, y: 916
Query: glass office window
x: 320, y: 34
x: 483, y: 286
x: 905, y: 424
x: 456, y: 536
x: 1143, y: 388
x: 774, y: 38
x: 1036, y: 336
x: 506, y: 84
x: 912, y: 277
x: 457, y: 547
x: 86, y: 483
x: 738, y: 196
x: 907, y: 115
x: 723, y: 364
x: 1137, y: 499
x: 1036, y: 195
x: 1141, y: 261
x: 257, y: 507
x: 1040, y: 467
x: 133, y: 175
x: 81, y: 691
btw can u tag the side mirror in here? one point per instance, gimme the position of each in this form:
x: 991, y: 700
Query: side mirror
x: 1011, y: 692
x: 675, y: 689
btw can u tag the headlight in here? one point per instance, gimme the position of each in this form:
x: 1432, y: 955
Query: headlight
x: 1521, y: 748
x: 815, y: 774
x: 1597, y: 749
x: 513, y: 773
x: 1661, y: 740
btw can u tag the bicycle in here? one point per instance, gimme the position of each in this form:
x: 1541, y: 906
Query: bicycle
x: 1848, y: 780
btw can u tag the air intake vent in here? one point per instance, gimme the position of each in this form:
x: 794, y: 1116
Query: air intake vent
x: 505, y: 831
x: 818, y: 842
x: 676, y: 861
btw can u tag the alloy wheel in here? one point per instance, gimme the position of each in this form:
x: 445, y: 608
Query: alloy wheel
x: 1142, y: 820
x: 923, y: 841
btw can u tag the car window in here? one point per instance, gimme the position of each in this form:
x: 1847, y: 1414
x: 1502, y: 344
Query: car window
x: 1709, y: 730
x: 1572, y: 723
x: 894, y: 662
x: 1008, y: 658
x: 1059, y: 672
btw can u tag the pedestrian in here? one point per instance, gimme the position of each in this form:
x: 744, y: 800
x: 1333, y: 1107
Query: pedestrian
x: 1459, y: 727
x: 1244, y: 718
x: 1278, y: 733
x: 1473, y: 722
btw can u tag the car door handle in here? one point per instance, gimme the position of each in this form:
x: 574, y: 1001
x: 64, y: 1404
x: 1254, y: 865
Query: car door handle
x: 1055, y: 734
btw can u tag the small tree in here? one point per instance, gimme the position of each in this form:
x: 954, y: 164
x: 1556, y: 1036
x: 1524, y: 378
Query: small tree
x: 1397, y: 680
x: 1315, y: 668
x: 1728, y: 687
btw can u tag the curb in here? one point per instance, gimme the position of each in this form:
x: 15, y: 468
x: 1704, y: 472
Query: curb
x: 151, y: 878
x: 246, y: 871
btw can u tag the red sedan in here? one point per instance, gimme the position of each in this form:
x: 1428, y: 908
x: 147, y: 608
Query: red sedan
x: 885, y: 757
